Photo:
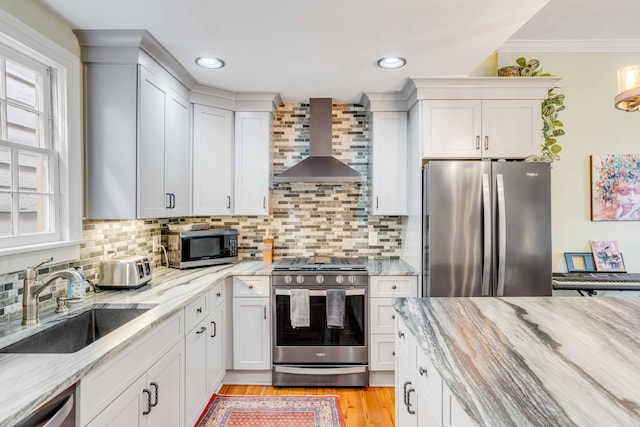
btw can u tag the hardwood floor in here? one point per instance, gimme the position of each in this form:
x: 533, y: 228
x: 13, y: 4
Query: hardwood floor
x: 374, y: 406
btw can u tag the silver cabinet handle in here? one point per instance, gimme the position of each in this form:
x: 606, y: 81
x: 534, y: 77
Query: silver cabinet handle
x: 155, y: 386
x: 394, y: 287
x: 265, y: 312
x: 250, y: 286
x: 400, y: 334
x: 228, y: 202
x: 393, y: 316
x: 377, y: 202
x: 202, y: 329
x: 215, y: 329
x: 423, y: 371
x: 199, y: 310
x: 168, y: 204
x: 264, y: 202
x: 59, y: 417
x: 486, y: 142
x: 148, y: 393
x: 477, y: 142
x: 404, y: 392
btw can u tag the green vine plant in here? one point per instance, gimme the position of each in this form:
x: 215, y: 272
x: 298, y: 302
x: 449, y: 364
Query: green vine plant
x: 551, y: 127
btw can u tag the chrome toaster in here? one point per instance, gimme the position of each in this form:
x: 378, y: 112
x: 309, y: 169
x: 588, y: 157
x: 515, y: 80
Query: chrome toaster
x: 124, y: 272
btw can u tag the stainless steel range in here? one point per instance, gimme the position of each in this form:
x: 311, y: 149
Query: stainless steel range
x: 320, y: 327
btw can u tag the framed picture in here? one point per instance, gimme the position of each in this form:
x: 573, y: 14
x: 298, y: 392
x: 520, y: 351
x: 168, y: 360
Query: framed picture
x: 607, y: 256
x: 615, y: 187
x: 579, y: 261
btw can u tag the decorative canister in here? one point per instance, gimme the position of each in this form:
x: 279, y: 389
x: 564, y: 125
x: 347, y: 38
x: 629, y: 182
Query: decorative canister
x: 267, y: 250
x: 509, y: 71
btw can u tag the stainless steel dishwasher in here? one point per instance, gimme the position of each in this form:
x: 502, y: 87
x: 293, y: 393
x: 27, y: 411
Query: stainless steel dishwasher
x: 57, y: 412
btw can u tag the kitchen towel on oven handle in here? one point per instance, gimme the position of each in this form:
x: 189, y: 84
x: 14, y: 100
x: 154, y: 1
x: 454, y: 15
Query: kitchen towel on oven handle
x: 299, y: 308
x: 335, y: 308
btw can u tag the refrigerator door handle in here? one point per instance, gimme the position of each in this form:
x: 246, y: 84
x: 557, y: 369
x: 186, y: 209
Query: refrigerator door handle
x: 486, y: 208
x: 502, y: 234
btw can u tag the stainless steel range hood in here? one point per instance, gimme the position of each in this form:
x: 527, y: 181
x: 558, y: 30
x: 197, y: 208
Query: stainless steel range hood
x: 320, y: 166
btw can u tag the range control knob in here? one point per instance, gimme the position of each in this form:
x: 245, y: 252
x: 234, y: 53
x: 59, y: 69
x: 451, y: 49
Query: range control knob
x: 339, y: 279
x: 352, y: 280
x: 299, y: 279
x: 320, y: 279
x: 287, y: 279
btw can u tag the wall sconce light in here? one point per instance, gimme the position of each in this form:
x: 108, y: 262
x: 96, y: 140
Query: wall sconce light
x: 628, y: 98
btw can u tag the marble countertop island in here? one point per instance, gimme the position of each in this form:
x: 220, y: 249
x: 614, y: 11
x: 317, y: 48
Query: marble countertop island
x: 548, y: 361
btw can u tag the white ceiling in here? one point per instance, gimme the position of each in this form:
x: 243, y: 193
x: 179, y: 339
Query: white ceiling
x: 303, y: 49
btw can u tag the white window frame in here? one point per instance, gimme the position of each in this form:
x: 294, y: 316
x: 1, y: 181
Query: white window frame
x: 66, y: 135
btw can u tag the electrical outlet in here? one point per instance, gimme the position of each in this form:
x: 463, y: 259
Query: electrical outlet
x: 106, y: 251
x: 156, y: 243
x: 373, y: 238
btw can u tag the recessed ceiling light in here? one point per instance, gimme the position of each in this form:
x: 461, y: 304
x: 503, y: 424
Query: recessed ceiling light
x: 210, y: 62
x: 391, y: 62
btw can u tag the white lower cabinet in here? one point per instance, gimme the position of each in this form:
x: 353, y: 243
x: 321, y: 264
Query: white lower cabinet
x: 204, y: 366
x: 143, y: 386
x: 251, y: 323
x: 422, y: 397
x: 382, y: 291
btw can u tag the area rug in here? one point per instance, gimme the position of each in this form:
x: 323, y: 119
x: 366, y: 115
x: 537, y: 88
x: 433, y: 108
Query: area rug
x: 226, y: 410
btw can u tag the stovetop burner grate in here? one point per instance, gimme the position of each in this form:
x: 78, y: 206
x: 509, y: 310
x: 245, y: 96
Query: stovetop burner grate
x: 320, y: 263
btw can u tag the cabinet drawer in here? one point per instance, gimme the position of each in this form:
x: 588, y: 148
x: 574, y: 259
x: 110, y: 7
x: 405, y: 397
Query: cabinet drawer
x: 196, y: 311
x: 382, y: 353
x: 393, y: 286
x: 383, y: 316
x: 251, y: 286
x: 216, y: 296
x: 432, y: 382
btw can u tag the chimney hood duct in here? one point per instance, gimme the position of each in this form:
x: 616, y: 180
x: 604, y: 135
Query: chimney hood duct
x: 320, y: 166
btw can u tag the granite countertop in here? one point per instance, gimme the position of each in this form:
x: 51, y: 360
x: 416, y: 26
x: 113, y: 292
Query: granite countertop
x: 561, y: 361
x: 35, y: 378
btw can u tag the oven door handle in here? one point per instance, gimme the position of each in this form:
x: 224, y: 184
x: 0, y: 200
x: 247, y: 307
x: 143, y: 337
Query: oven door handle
x: 322, y: 293
x: 320, y: 371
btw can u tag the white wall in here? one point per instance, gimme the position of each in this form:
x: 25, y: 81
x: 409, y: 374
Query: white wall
x: 43, y: 21
x: 593, y: 126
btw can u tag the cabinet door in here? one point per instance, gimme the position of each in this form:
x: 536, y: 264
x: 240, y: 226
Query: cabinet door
x: 251, y: 338
x: 152, y: 201
x: 212, y: 161
x: 452, y: 129
x: 126, y: 410
x: 511, y: 128
x: 383, y: 316
x: 389, y: 163
x: 166, y: 384
x: 252, y: 163
x: 196, y: 387
x: 177, y: 172
x: 215, y: 351
x: 404, y: 406
x: 382, y: 353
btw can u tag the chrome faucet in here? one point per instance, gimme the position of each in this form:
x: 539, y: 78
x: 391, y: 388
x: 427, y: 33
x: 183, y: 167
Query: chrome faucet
x: 30, y: 314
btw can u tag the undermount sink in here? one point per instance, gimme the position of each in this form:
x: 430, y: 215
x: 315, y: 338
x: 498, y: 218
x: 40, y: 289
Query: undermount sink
x: 75, y: 332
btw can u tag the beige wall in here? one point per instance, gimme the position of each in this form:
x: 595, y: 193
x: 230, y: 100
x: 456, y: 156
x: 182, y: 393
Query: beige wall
x: 33, y: 15
x: 593, y: 126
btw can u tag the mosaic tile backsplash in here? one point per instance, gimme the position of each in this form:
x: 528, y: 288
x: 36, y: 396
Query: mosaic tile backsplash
x: 305, y: 219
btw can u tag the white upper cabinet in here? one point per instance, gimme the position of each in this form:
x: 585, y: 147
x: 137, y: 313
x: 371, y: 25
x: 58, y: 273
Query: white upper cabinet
x: 481, y: 128
x: 252, y: 163
x: 212, y: 161
x: 137, y: 128
x: 389, y: 162
x: 163, y: 147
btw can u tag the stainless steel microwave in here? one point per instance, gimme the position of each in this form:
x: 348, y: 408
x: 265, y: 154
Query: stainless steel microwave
x: 201, y: 248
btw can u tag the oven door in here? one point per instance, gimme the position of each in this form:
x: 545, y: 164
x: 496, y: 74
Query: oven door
x: 318, y: 343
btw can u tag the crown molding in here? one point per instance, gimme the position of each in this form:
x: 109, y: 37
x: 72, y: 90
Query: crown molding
x: 610, y: 45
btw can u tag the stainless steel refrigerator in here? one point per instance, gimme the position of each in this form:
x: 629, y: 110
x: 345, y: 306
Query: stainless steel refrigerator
x: 486, y: 229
